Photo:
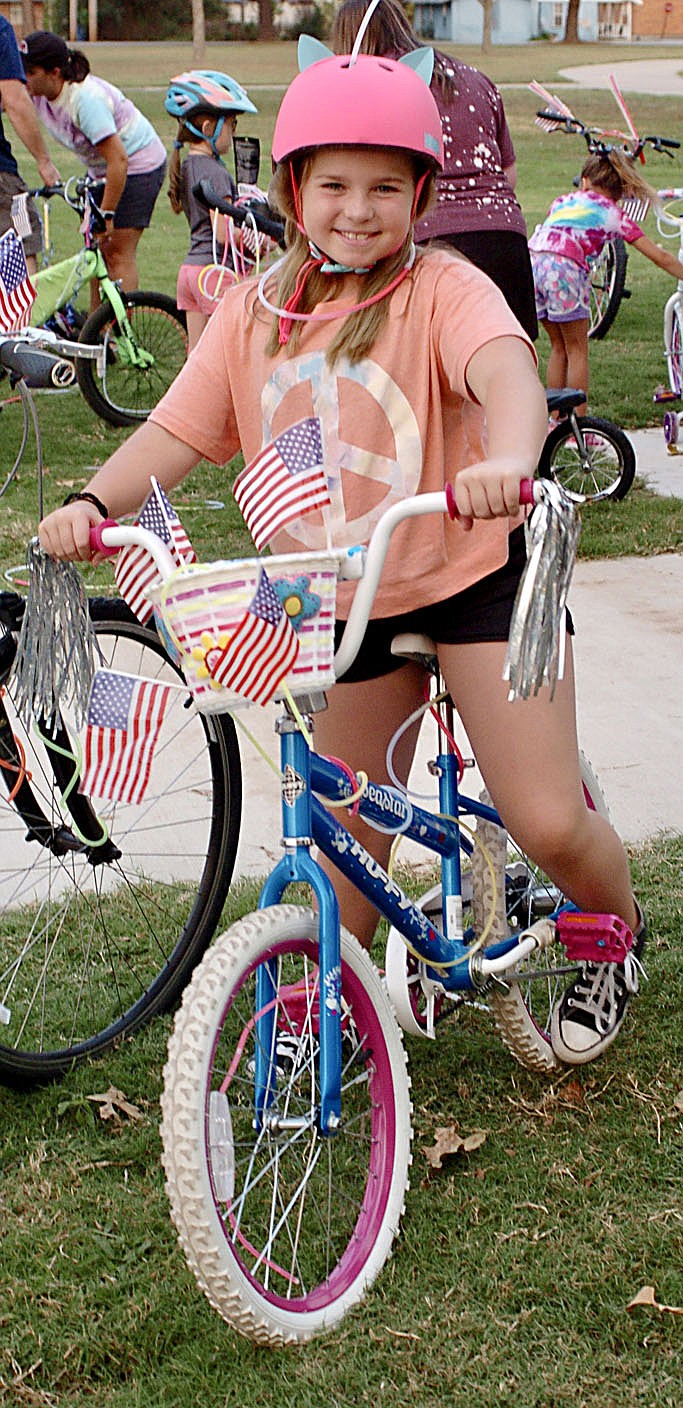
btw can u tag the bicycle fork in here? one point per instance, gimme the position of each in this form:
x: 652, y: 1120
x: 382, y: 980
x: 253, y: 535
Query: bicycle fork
x: 297, y: 865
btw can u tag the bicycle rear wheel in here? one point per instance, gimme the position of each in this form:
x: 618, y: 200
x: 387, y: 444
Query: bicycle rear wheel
x: 608, y: 278
x: 604, y: 469
x: 97, y: 939
x: 125, y: 394
x: 284, y: 1227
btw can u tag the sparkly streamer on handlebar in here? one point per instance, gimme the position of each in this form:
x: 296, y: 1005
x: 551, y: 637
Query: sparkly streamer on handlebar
x: 57, y: 651
x: 536, y: 646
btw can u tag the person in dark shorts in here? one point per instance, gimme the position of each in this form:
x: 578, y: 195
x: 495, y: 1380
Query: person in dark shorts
x: 17, y: 106
x: 110, y: 136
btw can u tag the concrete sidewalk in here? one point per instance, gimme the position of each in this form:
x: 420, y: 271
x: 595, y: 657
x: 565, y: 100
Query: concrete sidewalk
x: 629, y: 664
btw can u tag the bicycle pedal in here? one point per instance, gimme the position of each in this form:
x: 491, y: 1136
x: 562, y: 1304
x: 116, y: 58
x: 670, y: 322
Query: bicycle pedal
x: 663, y: 394
x: 594, y: 938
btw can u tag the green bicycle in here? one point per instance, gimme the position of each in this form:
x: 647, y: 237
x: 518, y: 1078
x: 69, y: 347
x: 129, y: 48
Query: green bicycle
x: 132, y: 347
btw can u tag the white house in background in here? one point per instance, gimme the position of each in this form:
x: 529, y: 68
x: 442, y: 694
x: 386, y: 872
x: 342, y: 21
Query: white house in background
x: 287, y: 13
x: 516, y: 21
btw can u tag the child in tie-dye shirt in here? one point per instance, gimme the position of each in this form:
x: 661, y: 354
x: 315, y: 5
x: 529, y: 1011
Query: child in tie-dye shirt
x: 574, y: 232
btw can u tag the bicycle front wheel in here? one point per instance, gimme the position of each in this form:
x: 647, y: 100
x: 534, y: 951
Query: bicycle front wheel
x: 126, y: 392
x: 283, y: 1227
x: 105, y: 908
x: 674, y: 354
x: 608, y: 279
x: 603, y: 469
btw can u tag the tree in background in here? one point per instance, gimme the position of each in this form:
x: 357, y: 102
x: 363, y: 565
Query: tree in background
x: 486, y: 39
x: 571, y: 30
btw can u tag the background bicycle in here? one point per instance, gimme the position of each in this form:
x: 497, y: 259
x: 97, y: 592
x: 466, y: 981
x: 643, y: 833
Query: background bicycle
x: 670, y: 226
x: 138, y: 340
x: 589, y: 457
x: 286, y: 1110
x: 105, y: 907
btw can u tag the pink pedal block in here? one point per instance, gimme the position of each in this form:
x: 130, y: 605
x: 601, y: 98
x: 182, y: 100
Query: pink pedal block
x: 594, y: 938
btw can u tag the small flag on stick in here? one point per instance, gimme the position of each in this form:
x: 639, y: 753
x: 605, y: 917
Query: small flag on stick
x: 136, y: 572
x: 285, y: 481
x: 261, y: 650
x: 17, y: 293
x: 124, y: 720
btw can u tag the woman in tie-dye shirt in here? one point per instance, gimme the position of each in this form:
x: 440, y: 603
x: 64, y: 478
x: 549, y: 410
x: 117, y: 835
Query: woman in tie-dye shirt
x: 574, y: 232
x: 111, y: 137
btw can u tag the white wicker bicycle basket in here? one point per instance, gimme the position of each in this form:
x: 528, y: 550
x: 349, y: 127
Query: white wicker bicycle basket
x: 201, y: 605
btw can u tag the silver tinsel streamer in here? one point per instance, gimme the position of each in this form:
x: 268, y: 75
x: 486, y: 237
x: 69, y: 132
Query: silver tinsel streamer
x: 535, y: 653
x: 57, y: 651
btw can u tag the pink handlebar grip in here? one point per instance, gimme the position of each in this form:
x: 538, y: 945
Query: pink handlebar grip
x: 96, y: 537
x: 526, y: 496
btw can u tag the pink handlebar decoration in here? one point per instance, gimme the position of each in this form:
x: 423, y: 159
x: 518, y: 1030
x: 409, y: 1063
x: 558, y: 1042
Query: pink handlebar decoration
x: 96, y: 537
x: 526, y: 496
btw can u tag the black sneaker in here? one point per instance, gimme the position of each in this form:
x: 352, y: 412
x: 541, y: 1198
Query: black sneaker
x: 591, y: 1011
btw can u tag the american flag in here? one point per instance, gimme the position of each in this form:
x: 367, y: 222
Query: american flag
x: 136, y: 572
x: 125, y: 714
x: 285, y: 481
x: 262, y: 649
x: 17, y: 293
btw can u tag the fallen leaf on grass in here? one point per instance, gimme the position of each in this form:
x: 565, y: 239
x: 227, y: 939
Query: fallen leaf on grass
x: 646, y: 1296
x: 678, y: 1101
x: 113, y: 1103
x: 449, y: 1140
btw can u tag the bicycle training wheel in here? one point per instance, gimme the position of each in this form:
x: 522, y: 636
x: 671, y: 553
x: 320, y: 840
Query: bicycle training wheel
x: 608, y: 278
x: 125, y: 394
x: 604, y: 469
x: 283, y: 1227
x: 95, y: 939
x: 674, y: 355
x: 523, y: 1013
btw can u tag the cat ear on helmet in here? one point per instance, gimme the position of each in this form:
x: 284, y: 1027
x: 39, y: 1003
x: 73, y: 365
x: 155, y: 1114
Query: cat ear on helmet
x: 311, y: 51
x: 422, y: 61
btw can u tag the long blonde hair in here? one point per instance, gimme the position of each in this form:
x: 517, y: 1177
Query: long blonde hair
x: 359, y: 330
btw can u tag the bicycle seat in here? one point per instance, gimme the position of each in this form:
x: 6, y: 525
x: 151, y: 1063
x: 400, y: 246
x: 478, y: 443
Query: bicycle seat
x: 564, y: 400
x: 415, y: 646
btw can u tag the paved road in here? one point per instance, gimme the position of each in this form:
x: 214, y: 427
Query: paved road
x: 660, y: 76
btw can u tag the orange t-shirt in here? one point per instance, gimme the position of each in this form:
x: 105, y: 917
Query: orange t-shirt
x: 400, y: 422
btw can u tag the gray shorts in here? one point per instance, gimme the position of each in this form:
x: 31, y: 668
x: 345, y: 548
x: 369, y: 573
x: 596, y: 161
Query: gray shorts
x: 11, y: 185
x: 138, y: 198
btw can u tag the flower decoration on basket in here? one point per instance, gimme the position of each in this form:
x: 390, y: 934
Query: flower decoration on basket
x: 298, y: 601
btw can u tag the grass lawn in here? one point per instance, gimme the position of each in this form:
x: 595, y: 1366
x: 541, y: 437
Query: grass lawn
x: 516, y: 1263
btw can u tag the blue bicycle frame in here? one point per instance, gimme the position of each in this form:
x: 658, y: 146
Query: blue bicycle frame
x: 305, y: 821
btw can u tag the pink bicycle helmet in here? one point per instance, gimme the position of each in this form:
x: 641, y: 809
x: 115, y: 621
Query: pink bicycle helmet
x: 365, y: 101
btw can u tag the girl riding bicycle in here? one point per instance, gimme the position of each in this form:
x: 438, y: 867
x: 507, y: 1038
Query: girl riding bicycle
x: 415, y: 369
x: 575, y: 231
x: 206, y: 105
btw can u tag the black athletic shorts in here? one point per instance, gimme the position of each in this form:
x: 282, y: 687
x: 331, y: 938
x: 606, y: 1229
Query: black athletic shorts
x: 482, y: 612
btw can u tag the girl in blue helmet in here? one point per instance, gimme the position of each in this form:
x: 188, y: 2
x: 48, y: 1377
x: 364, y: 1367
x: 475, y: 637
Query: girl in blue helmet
x: 206, y: 105
x: 415, y: 373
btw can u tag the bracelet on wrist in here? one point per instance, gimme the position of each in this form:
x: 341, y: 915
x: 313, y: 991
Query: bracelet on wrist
x: 89, y: 499
x: 108, y: 214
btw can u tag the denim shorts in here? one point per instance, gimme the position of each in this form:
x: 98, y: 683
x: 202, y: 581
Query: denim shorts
x: 562, y: 288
